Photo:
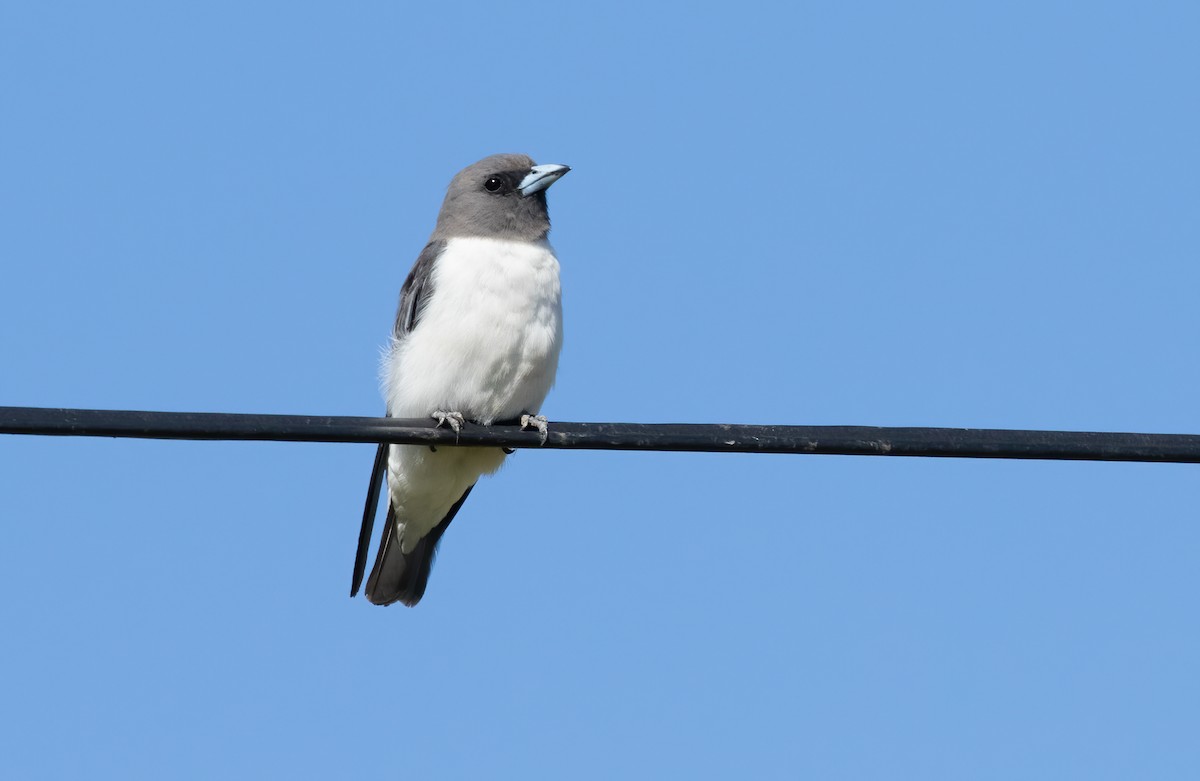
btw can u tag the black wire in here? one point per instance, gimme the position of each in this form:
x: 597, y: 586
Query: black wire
x: 695, y: 437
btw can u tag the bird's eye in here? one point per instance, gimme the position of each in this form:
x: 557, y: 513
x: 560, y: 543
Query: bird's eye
x: 492, y: 185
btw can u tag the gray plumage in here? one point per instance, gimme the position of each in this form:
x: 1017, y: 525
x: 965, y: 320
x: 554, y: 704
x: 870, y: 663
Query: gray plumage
x: 470, y: 210
x: 402, y: 577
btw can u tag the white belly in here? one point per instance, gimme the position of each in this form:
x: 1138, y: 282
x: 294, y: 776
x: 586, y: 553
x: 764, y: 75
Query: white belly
x: 486, y: 344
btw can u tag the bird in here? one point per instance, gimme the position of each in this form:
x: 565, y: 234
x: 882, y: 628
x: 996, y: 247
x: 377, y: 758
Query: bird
x: 477, y: 338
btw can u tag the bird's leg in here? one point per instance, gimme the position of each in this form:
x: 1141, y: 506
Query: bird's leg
x: 536, y: 421
x: 454, y: 420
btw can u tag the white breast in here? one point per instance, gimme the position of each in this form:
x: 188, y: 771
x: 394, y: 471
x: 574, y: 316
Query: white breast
x: 486, y: 345
x: 489, y: 335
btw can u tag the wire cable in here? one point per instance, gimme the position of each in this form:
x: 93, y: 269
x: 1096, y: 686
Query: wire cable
x: 689, y: 437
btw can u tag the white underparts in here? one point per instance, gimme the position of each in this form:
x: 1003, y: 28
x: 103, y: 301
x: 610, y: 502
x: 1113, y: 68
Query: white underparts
x: 486, y: 344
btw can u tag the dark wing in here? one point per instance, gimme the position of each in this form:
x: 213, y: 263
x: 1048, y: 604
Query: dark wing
x: 416, y: 290
x: 413, y: 296
x: 368, y: 521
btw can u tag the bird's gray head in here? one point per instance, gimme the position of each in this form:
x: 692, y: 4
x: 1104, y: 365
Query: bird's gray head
x: 500, y: 197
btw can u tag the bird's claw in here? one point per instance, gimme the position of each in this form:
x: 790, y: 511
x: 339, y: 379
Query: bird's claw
x: 539, y: 422
x: 454, y: 420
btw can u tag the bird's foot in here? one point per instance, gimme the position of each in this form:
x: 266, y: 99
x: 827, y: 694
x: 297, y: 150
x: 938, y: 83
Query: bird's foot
x: 454, y: 420
x: 536, y: 421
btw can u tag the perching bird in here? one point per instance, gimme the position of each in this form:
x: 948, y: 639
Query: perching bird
x: 477, y: 338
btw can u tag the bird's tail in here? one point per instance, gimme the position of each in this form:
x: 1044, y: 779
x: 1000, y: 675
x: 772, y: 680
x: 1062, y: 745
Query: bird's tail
x: 401, y: 577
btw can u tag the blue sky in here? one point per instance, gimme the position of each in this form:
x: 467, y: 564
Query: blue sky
x: 929, y: 214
